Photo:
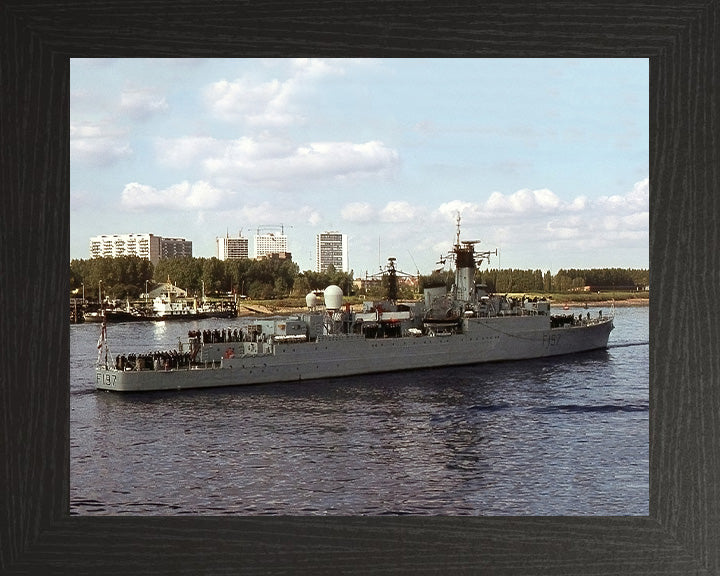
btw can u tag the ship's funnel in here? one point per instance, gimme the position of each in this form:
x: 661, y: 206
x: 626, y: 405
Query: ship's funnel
x: 333, y: 297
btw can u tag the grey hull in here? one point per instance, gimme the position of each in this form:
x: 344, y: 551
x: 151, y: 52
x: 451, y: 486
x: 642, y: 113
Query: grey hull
x: 481, y: 340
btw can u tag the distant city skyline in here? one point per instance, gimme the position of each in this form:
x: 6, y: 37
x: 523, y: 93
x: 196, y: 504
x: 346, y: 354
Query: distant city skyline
x: 331, y: 247
x: 547, y: 160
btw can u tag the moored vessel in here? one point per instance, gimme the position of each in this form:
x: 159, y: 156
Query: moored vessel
x: 464, y: 325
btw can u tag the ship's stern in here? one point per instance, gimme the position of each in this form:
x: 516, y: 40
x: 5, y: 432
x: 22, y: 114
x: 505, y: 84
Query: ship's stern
x: 111, y: 379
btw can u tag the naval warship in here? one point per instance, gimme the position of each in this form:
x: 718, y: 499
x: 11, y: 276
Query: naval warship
x: 465, y: 324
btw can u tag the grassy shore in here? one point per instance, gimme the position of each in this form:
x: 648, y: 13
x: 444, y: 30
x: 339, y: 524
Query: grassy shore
x: 601, y: 302
x: 559, y: 300
x: 576, y: 299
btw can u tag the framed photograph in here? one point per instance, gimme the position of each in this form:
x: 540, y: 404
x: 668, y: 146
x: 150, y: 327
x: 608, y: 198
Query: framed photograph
x: 679, y: 535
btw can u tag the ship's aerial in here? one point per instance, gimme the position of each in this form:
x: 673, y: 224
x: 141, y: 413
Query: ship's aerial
x: 465, y: 324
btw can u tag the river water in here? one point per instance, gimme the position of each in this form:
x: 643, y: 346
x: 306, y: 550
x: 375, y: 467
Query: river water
x: 563, y: 436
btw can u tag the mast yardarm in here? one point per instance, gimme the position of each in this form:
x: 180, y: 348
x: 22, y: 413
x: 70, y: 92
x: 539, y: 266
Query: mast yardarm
x: 466, y: 262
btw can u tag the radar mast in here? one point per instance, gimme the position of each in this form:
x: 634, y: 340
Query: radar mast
x: 466, y: 262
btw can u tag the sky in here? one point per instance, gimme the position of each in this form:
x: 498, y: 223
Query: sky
x: 545, y: 160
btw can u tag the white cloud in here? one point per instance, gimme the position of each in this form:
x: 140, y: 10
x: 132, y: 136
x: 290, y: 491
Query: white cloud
x: 636, y: 200
x: 98, y: 144
x: 468, y: 210
x: 358, y: 212
x: 265, y: 159
x: 578, y: 204
x: 182, y: 196
x: 256, y: 214
x: 142, y: 103
x: 342, y: 159
x: 641, y: 192
x: 275, y: 162
x: 523, y: 201
x: 398, y: 211
x: 637, y: 221
x: 310, y: 215
x: 265, y: 104
x: 606, y: 221
x: 272, y: 103
x: 319, y: 67
x: 528, y: 223
x: 535, y: 217
x: 563, y: 230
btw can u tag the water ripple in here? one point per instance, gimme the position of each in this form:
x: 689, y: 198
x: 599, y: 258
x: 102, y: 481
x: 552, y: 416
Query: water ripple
x: 506, y: 438
x: 604, y: 408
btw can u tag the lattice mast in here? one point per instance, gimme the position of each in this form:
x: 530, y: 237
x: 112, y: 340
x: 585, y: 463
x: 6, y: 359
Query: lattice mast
x: 466, y: 259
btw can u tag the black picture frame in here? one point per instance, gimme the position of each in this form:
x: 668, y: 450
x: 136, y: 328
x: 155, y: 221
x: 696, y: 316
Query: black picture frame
x: 681, y: 535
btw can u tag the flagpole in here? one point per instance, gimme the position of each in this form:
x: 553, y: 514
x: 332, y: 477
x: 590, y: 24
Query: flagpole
x: 102, y: 341
x: 104, y: 329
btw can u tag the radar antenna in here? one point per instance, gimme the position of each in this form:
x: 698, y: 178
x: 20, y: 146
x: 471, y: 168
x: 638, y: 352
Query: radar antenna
x: 463, y: 253
x: 393, y: 275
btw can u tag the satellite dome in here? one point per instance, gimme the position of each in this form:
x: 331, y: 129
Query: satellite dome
x: 311, y: 300
x: 333, y: 297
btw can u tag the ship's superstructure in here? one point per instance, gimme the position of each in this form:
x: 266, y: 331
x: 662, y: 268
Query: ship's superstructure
x: 463, y: 325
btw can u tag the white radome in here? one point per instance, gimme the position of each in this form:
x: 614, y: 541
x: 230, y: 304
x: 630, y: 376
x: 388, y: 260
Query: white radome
x: 333, y: 297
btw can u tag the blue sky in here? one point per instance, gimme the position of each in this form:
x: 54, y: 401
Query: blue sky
x: 546, y: 160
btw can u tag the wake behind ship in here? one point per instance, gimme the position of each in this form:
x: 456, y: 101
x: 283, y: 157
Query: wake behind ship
x: 464, y: 325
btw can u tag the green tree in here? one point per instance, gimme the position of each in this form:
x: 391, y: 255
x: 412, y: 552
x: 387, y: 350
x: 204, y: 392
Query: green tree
x: 437, y: 278
x: 312, y: 280
x: 547, y: 282
x: 119, y: 277
x: 213, y: 275
x: 236, y: 273
x: 184, y: 273
x: 301, y: 286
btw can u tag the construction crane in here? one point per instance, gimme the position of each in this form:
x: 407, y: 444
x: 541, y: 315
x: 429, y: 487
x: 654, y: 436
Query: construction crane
x: 273, y: 227
x: 274, y: 244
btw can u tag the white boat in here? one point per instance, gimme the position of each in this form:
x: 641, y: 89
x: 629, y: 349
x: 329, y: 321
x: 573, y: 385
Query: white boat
x: 466, y: 325
x: 167, y: 307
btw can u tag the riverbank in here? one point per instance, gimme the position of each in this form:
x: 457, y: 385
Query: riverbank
x: 267, y: 309
x: 605, y: 303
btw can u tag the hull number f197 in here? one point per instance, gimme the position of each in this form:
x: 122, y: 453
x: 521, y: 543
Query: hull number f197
x: 105, y: 379
x: 550, y: 340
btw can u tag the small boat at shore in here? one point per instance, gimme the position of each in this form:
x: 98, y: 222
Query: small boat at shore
x: 164, y: 308
x: 465, y: 325
x: 94, y: 316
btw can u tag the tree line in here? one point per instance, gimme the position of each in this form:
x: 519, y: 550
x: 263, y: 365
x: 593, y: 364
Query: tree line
x: 513, y: 280
x: 128, y: 276
x: 535, y: 281
x: 123, y: 277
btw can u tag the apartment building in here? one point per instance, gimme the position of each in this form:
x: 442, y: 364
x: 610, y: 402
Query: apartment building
x: 331, y: 248
x: 270, y: 243
x: 232, y: 248
x: 147, y: 246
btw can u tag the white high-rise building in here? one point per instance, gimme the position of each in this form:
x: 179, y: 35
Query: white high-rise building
x: 331, y: 248
x: 232, y: 248
x: 267, y: 244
